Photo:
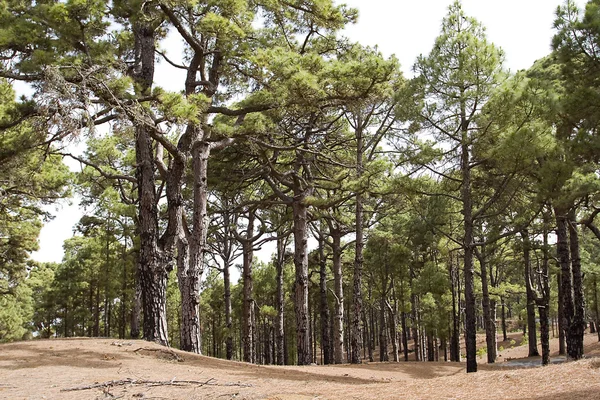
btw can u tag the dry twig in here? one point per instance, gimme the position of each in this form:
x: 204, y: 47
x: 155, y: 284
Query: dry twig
x: 172, y: 382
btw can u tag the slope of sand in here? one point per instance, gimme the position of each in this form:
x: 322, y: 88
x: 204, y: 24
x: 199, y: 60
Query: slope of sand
x: 140, y: 370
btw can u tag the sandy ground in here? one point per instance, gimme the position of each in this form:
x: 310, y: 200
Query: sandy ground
x: 45, y: 369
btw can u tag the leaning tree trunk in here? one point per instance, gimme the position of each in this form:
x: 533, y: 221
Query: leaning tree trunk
x: 300, y: 211
x: 577, y: 327
x: 531, y: 297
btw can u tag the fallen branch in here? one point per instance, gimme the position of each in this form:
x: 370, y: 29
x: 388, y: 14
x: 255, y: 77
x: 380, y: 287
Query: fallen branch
x: 167, y: 351
x: 172, y: 382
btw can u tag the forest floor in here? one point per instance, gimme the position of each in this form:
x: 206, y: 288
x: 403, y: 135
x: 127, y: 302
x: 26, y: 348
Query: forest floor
x: 80, y: 369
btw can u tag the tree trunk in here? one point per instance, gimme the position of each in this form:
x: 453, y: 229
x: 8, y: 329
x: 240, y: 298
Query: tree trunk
x: 137, y: 307
x: 393, y: 317
x: 383, y: 344
x: 300, y: 211
x: 562, y: 249
x: 455, y: 337
x: 489, y: 322
x: 151, y: 266
x: 577, y: 327
x: 248, y: 312
x: 228, y: 310
x: 531, y: 297
x: 190, y: 285
x: 279, y: 322
x: 596, y: 307
x: 415, y: 330
x: 338, y: 319
x: 504, y: 333
x: 470, y: 329
x: 326, y: 347
x: 562, y: 346
x: 544, y: 301
x: 357, y: 304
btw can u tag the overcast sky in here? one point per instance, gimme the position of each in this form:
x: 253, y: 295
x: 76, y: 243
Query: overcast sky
x: 522, y: 28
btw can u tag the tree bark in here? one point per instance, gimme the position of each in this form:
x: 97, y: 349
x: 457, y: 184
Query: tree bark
x: 455, y: 337
x: 357, y: 304
x: 228, y: 310
x: 300, y: 211
x: 596, y: 306
x: 279, y: 322
x: 531, y: 297
x: 325, y: 317
x: 562, y: 346
x: 489, y: 320
x: 562, y: 250
x: 383, y: 344
x: 468, y: 240
x: 577, y: 327
x: 151, y: 265
x: 338, y: 319
x: 248, y: 312
x: 543, y: 301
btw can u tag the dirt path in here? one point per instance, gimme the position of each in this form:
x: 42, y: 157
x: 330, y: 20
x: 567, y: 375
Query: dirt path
x: 42, y: 369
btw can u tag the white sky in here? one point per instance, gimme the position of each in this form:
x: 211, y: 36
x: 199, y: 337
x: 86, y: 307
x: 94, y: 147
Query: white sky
x: 522, y: 28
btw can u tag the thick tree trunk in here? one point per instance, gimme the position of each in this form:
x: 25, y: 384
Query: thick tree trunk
x: 152, y: 271
x: 531, y: 297
x: 338, y: 318
x: 300, y: 211
x: 577, y: 327
x: 151, y: 265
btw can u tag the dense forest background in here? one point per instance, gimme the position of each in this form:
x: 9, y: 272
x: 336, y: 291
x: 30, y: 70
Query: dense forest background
x: 406, y: 214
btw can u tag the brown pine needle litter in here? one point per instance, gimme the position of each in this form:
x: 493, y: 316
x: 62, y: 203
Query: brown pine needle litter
x: 96, y: 369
